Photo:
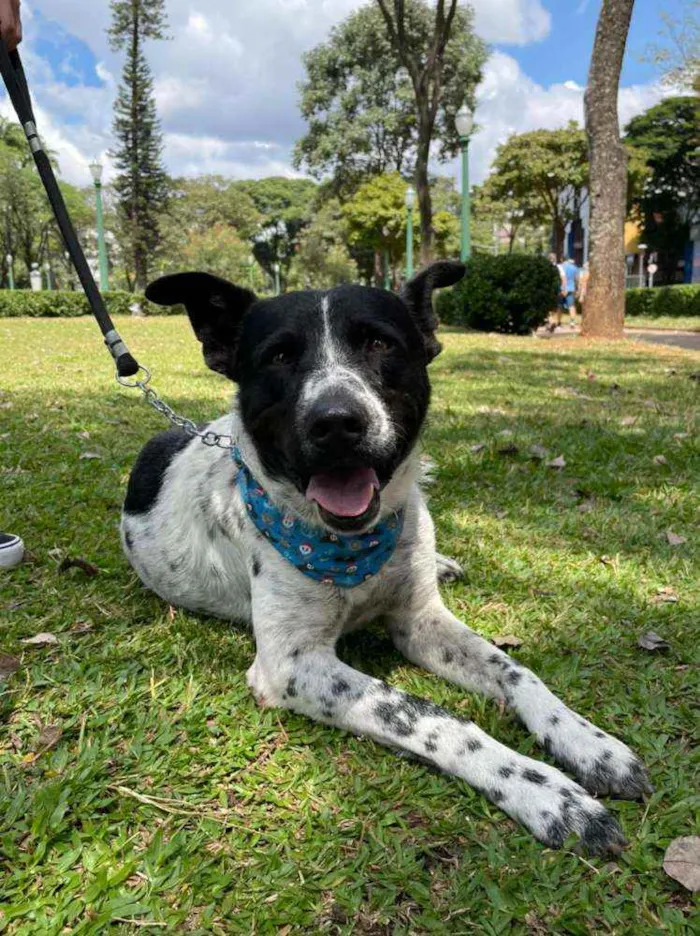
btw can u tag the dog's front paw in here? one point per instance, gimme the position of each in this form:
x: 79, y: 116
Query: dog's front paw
x: 554, y: 808
x: 601, y: 763
x: 447, y: 569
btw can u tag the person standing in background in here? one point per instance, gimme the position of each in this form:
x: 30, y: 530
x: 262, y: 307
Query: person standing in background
x: 570, y: 275
x: 10, y: 23
x: 583, y: 287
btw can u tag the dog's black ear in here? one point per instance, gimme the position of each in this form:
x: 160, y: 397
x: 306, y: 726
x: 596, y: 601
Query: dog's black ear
x: 418, y: 296
x: 215, y: 307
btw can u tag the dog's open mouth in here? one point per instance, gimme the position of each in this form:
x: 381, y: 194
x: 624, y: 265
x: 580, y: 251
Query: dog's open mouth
x: 348, y: 499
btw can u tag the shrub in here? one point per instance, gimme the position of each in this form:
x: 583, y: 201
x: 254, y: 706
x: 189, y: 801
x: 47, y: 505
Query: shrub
x: 511, y: 293
x: 64, y: 304
x: 681, y: 300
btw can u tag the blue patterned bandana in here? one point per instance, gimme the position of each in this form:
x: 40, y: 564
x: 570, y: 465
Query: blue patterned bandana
x: 329, y: 558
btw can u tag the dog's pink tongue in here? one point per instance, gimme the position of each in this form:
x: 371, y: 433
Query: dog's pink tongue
x: 344, y: 493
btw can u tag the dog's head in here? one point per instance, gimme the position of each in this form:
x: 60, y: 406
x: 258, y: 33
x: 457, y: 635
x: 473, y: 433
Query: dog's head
x: 333, y: 385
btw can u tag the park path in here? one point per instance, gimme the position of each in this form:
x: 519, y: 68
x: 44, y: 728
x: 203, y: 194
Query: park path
x: 690, y: 340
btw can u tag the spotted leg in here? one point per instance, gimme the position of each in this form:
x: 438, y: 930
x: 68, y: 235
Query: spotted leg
x: 439, y: 642
x: 296, y: 667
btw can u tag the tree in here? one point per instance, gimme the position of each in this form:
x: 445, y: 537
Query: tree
x: 604, y: 310
x: 376, y: 218
x: 358, y: 104
x: 141, y: 183
x: 678, y: 57
x: 541, y: 178
x: 665, y: 139
x: 285, y: 206
x: 443, y: 59
x: 322, y: 259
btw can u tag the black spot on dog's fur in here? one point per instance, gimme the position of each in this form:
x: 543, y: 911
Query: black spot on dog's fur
x: 600, y: 734
x: 554, y: 719
x: 447, y: 656
x: 128, y: 539
x: 292, y: 687
x: 496, y: 795
x: 256, y: 566
x: 505, y: 772
x: 402, y: 716
x: 339, y: 686
x: 295, y: 653
x: 514, y: 677
x: 147, y: 475
x: 473, y: 744
x: 534, y: 776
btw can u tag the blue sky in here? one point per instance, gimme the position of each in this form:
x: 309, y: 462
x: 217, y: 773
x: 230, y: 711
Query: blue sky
x: 225, y: 83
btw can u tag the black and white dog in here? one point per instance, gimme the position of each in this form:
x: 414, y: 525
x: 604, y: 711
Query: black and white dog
x: 318, y: 525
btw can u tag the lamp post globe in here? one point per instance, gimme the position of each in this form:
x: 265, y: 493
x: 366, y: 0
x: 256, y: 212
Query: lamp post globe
x: 410, y: 201
x: 96, y: 170
x: 276, y: 271
x: 464, y: 124
x: 10, y: 271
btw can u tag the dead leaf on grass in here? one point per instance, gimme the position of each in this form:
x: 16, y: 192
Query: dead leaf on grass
x: 539, y: 452
x: 652, y: 641
x: 506, y: 641
x: 558, y: 462
x: 8, y: 665
x: 491, y: 411
x: 477, y: 447
x: 80, y: 627
x: 681, y: 435
x: 44, y: 639
x: 87, y: 567
x: 660, y: 460
x: 48, y: 736
x: 587, y: 506
x: 674, y: 539
x: 89, y: 456
x: 682, y: 861
x: 629, y: 420
x: 84, y: 435
x: 665, y: 594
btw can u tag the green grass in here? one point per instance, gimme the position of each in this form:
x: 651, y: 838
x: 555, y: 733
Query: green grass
x: 171, y: 799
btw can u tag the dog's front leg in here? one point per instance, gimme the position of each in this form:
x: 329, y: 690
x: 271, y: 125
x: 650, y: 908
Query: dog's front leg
x: 435, y: 639
x: 296, y: 667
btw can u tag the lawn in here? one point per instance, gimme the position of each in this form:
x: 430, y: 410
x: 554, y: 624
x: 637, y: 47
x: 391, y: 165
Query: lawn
x: 143, y: 790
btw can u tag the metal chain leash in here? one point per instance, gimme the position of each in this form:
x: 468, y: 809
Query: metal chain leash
x: 213, y: 439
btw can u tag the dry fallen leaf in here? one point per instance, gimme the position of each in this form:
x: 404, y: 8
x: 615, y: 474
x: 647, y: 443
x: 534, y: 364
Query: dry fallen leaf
x: 665, y: 594
x: 660, y: 460
x: 80, y: 627
x: 87, y: 567
x: 506, y: 641
x: 8, y: 665
x: 84, y: 434
x: 89, y: 456
x: 478, y: 447
x: 587, y: 506
x: 682, y: 861
x: 44, y: 639
x: 558, y: 462
x: 629, y: 420
x: 48, y: 736
x: 681, y: 435
x: 674, y: 539
x: 538, y: 452
x: 652, y: 641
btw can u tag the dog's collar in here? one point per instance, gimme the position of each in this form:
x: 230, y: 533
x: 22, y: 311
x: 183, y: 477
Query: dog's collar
x: 329, y: 558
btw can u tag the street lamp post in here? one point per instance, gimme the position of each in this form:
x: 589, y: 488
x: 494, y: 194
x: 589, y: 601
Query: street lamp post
x: 10, y: 272
x: 96, y: 170
x: 464, y: 123
x: 642, y: 249
x: 410, y: 202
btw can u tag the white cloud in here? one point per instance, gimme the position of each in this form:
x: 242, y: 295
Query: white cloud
x: 225, y: 83
x: 516, y: 22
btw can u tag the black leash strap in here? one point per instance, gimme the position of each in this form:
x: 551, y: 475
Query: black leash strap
x: 16, y: 84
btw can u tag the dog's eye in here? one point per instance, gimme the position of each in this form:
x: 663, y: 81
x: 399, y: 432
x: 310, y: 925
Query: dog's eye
x: 280, y: 358
x: 379, y: 345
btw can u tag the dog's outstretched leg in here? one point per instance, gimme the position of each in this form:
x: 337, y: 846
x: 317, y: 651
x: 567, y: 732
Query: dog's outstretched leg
x: 448, y: 570
x: 441, y: 643
x: 316, y: 683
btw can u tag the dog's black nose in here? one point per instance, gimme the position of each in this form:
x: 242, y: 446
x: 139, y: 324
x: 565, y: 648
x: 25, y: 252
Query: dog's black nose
x: 336, y: 422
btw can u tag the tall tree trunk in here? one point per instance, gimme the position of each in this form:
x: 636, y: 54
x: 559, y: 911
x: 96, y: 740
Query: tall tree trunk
x: 425, y: 202
x: 604, y: 311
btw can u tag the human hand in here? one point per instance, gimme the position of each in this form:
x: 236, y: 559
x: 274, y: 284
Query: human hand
x: 10, y: 24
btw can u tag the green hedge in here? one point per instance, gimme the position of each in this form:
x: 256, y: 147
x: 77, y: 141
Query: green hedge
x: 681, y: 300
x: 510, y: 293
x: 59, y: 304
